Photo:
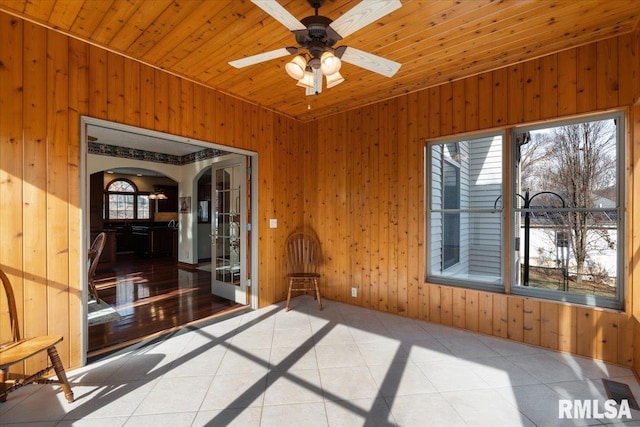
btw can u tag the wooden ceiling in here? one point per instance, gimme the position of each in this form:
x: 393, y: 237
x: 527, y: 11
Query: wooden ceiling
x: 435, y: 41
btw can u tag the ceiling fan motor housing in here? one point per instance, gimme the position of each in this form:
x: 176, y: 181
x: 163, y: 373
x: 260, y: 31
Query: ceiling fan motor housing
x: 317, y: 38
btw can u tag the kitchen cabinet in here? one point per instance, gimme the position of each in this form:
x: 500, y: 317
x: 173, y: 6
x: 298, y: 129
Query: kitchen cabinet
x: 154, y: 241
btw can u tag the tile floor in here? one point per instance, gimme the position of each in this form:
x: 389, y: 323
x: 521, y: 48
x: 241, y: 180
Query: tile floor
x: 343, y: 366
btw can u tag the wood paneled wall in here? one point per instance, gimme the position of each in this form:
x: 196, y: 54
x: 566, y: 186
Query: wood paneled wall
x: 47, y: 81
x: 367, y: 201
x: 357, y: 178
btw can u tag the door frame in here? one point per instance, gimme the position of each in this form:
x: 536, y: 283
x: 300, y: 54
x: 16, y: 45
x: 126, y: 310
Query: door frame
x: 191, y: 230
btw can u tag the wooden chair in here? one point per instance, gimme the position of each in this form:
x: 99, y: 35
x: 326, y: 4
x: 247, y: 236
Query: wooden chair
x: 19, y: 349
x: 94, y: 258
x: 304, y: 257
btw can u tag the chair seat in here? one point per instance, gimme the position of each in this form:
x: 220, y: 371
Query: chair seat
x: 15, y: 352
x: 303, y: 275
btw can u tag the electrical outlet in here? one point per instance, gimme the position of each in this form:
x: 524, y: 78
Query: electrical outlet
x: 354, y: 292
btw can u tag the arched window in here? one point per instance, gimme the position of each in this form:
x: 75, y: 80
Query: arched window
x: 123, y: 201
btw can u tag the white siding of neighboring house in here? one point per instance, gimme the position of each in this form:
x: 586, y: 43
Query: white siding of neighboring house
x: 463, y: 266
x: 485, y: 233
x: 435, y: 225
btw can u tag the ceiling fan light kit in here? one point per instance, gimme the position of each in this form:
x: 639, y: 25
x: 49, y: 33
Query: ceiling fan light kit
x: 334, y: 79
x: 307, y: 80
x: 296, y: 67
x: 330, y: 64
x: 316, y: 36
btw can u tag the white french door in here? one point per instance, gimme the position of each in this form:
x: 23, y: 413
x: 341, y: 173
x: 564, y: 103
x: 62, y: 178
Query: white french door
x: 229, y: 231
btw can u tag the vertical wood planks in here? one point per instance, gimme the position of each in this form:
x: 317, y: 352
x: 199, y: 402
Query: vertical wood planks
x: 472, y: 299
x: 549, y: 325
x: 366, y: 214
x: 625, y: 339
x: 434, y: 112
x: 161, y: 101
x: 446, y: 109
x: 407, y: 294
x: 147, y: 97
x: 78, y: 105
x: 607, y: 74
x: 459, y: 307
x: 35, y: 179
x: 586, y: 323
x: 531, y: 81
x: 485, y: 99
x: 131, y: 92
x: 607, y: 332
x: 499, y: 97
x: 446, y: 305
x: 500, y: 316
x: 98, y: 78
x: 356, y: 207
x: 171, y: 105
x: 586, y: 78
x: 385, y: 190
x: 471, y: 101
x: 57, y: 214
x: 459, y: 107
x: 567, y: 82
x: 11, y: 148
x: 531, y: 322
x: 485, y: 313
x: 115, y: 88
x: 186, y: 103
x: 515, y: 85
x: 515, y: 310
x: 549, y: 87
x: 434, y: 303
x: 567, y: 333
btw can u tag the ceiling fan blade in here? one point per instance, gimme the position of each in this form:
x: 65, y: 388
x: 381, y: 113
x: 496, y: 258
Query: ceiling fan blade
x: 280, y: 14
x: 363, y: 14
x: 317, y: 84
x: 370, y: 62
x: 261, y: 57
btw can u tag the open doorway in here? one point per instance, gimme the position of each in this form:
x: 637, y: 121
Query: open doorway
x: 150, y: 280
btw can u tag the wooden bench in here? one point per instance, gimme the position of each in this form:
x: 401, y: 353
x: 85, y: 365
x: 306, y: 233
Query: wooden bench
x: 19, y: 349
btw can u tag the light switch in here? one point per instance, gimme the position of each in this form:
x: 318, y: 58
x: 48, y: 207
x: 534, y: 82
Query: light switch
x: 273, y: 223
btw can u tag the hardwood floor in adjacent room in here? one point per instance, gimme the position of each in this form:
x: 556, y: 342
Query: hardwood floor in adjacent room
x: 152, y: 296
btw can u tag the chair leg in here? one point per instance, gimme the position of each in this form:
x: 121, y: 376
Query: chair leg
x: 62, y: 376
x: 289, y: 293
x: 315, y: 284
x: 93, y: 291
x: 3, y: 385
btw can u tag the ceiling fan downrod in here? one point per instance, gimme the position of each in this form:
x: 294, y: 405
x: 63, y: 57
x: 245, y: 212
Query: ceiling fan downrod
x: 316, y: 4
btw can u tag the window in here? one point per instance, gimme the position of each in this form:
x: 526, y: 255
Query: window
x: 567, y: 211
x: 465, y: 232
x: 565, y: 208
x: 122, y: 201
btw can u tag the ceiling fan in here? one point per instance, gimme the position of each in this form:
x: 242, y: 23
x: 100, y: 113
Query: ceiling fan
x: 317, y: 35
